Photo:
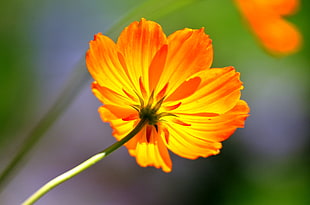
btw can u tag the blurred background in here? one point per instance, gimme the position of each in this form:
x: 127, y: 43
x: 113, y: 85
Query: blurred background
x: 43, y: 42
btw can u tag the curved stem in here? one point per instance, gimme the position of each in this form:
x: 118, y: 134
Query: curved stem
x: 84, y: 165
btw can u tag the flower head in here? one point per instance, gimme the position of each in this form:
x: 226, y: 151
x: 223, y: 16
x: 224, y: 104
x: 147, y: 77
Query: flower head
x: 189, y: 107
x: 265, y: 18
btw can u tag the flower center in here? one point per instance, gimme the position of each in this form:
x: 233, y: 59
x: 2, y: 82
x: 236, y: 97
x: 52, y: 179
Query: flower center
x: 150, y: 111
x: 150, y: 114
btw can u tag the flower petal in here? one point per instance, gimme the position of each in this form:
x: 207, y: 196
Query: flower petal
x: 217, y: 127
x: 157, y: 66
x: 281, y: 7
x: 202, y: 138
x: 218, y: 92
x: 120, y: 127
x: 139, y: 42
x: 186, y: 89
x: 278, y: 35
x: 150, y: 149
x: 189, y: 51
x: 266, y: 20
x: 108, y: 96
x: 113, y: 112
x: 186, y: 145
x: 103, y: 63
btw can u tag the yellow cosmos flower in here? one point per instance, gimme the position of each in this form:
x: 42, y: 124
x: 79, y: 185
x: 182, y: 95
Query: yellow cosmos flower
x: 265, y: 18
x: 167, y: 81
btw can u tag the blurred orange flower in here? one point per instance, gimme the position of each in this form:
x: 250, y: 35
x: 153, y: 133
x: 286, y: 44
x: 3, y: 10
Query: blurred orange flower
x: 190, y: 108
x: 265, y: 18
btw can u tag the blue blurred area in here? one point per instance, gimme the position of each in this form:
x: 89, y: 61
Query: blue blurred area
x: 267, y: 162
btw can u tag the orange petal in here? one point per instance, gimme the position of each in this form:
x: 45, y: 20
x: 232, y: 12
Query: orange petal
x: 281, y: 7
x: 106, y: 115
x: 103, y: 63
x: 121, y: 128
x: 217, y: 127
x: 218, y: 92
x: 189, y: 51
x: 172, y: 107
x: 116, y: 112
x: 266, y: 20
x: 286, y: 7
x: 150, y: 150
x: 186, y: 145
x: 186, y: 89
x: 202, y: 138
x: 278, y: 36
x: 108, y: 96
x: 138, y: 43
x: 157, y: 66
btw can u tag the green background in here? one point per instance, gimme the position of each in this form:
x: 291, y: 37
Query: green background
x: 42, y: 42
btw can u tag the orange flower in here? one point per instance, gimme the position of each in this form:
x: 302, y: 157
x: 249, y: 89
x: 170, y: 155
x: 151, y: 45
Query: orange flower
x: 277, y: 35
x: 190, y: 108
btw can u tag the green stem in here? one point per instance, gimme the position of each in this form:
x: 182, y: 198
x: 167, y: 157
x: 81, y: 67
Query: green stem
x: 84, y: 165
